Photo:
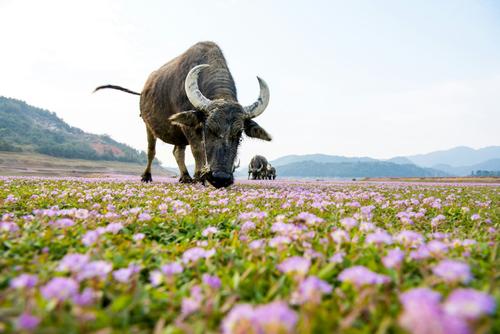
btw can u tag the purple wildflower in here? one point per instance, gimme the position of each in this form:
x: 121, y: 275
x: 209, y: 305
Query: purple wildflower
x: 144, y: 217
x: 279, y: 241
x: 409, y: 238
x: 156, y: 277
x: 437, y: 247
x: 423, y: 314
x: 276, y: 317
x: 360, y: 276
x: 138, y: 236
x: 24, y: 281
x: 453, y: 271
x: 171, y: 269
x: 469, y: 304
x: 64, y: 222
x: 340, y: 236
x: 99, y: 269
x: 393, y: 258
x: 475, y: 217
x: 379, y: 237
x: 295, y: 264
x: 85, y: 298
x: 337, y: 257
x: 59, y: 288
x: 240, y: 320
x: 194, y: 254
x: 311, y: 290
x: 90, y: 238
x: 193, y: 303
x: 114, y: 228
x: 247, y: 226
x: 123, y: 275
x: 27, y: 321
x: 256, y: 244
x: 73, y: 262
x: 212, y: 281
x: 309, y: 218
x: 209, y: 231
x: 8, y: 227
x: 348, y: 223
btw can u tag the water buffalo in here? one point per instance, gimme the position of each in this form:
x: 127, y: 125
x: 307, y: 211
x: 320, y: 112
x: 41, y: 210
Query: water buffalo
x: 192, y: 100
x: 257, y: 167
x: 270, y: 172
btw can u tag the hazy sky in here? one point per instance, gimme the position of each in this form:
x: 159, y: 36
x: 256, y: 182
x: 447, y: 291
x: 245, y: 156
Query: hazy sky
x: 356, y: 78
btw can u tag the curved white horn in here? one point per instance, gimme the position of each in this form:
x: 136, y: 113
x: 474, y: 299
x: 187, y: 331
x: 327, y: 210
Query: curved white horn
x: 197, y: 99
x: 260, y: 105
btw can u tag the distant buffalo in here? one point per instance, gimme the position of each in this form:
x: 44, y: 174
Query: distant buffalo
x: 192, y: 100
x: 257, y: 169
x: 270, y: 172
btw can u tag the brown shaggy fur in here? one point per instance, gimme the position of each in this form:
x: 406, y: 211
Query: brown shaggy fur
x: 169, y: 115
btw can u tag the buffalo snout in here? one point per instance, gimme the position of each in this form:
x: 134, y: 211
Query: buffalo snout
x: 220, y: 179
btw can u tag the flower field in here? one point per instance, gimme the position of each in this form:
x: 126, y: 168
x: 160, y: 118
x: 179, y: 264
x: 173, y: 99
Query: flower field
x: 115, y: 255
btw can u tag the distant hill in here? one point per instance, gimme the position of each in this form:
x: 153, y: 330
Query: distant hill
x: 400, y: 160
x: 458, y: 161
x: 24, y: 128
x: 321, y: 158
x: 355, y: 169
x: 489, y: 165
x: 456, y: 157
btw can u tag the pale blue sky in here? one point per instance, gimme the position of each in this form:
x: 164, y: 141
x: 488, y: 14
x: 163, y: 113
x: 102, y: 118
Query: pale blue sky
x: 356, y: 78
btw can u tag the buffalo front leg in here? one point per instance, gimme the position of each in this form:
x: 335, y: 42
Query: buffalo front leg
x: 146, y: 176
x: 179, y: 154
x: 200, y: 161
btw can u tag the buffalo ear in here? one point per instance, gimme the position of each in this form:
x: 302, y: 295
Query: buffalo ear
x: 190, y: 118
x: 252, y: 129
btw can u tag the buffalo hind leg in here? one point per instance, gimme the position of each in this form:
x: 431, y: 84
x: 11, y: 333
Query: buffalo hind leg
x: 146, y: 176
x: 179, y: 154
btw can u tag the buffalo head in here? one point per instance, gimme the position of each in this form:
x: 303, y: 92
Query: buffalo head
x: 221, y: 124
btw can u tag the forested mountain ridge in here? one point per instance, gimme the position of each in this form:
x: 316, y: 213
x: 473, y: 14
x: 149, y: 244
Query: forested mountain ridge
x: 24, y: 128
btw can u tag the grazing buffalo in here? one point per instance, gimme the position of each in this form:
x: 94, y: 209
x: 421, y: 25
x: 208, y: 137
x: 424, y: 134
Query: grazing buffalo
x: 192, y: 100
x: 257, y: 168
x: 270, y: 172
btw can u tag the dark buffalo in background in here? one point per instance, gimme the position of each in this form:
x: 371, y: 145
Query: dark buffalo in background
x: 192, y: 100
x: 270, y: 172
x: 257, y: 168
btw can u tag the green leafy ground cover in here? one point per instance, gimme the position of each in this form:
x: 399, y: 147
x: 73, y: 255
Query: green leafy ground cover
x: 91, y: 255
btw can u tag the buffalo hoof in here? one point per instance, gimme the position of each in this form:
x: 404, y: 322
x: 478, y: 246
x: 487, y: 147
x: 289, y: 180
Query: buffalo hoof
x: 199, y: 178
x: 185, y: 178
x: 146, y: 177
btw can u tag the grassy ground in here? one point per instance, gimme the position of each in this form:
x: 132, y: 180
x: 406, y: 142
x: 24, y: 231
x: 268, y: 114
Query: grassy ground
x: 42, y: 165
